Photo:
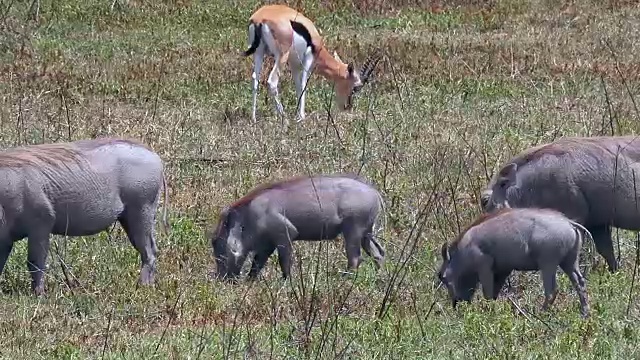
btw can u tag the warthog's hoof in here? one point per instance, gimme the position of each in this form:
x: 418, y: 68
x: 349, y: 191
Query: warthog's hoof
x: 147, y: 275
x: 38, y: 290
x: 73, y: 283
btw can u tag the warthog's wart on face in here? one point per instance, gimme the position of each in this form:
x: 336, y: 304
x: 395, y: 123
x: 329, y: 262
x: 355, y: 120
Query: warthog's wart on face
x: 234, y: 241
x: 271, y: 217
x: 525, y: 239
x: 78, y: 189
x: 461, y: 282
x: 592, y: 180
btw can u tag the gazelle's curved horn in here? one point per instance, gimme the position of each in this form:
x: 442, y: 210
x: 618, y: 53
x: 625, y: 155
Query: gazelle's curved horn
x: 368, y: 67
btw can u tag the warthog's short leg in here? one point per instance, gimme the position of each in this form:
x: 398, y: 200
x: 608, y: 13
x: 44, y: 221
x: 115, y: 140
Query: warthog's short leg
x: 548, y: 274
x: 138, y: 224
x: 571, y: 268
x: 373, y: 248
x: 604, y: 245
x: 285, y: 251
x: 283, y: 238
x: 260, y: 259
x: 499, y: 278
x: 37, y: 250
x: 486, y: 276
x: 353, y: 238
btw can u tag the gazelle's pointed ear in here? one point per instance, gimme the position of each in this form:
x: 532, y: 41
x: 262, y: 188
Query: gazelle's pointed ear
x: 335, y: 55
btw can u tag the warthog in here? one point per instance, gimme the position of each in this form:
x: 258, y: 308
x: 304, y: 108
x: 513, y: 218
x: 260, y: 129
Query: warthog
x: 305, y: 208
x: 79, y: 188
x: 589, y: 179
x: 525, y: 239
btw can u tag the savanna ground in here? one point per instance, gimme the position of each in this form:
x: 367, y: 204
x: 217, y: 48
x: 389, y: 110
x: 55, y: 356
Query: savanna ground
x: 464, y: 85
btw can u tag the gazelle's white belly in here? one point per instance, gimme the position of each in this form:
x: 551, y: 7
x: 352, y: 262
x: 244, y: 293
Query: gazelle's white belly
x: 300, y: 52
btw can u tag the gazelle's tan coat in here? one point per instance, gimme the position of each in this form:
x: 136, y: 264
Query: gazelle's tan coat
x: 279, y: 18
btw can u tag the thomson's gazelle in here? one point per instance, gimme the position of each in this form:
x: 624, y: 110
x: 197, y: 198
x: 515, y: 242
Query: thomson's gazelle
x: 289, y: 36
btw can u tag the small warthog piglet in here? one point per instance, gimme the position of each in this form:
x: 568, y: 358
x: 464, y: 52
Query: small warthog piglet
x: 525, y: 239
x: 273, y: 216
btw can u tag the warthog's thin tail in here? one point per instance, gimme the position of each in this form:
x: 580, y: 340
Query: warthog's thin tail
x: 581, y: 231
x: 379, y: 225
x: 165, y: 222
x: 582, y: 228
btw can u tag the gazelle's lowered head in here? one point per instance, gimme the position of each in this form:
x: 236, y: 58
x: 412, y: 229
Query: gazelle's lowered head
x: 292, y: 38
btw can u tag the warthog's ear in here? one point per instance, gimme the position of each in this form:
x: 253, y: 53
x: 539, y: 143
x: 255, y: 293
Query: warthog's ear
x: 445, y: 252
x: 484, y: 198
x: 508, y: 173
x: 224, y: 212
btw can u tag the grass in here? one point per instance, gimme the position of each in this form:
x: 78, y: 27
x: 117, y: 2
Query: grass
x: 465, y: 85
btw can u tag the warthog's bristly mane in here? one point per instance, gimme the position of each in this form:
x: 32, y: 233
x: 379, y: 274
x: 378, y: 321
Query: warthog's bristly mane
x: 222, y: 217
x: 40, y: 156
x: 98, y: 142
x: 255, y: 192
x: 567, y: 145
x: 265, y: 187
x: 479, y: 220
x: 536, y: 153
x: 490, y: 215
x: 47, y: 156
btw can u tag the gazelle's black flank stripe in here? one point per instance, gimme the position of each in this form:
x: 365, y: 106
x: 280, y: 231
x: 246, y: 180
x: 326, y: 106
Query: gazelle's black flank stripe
x: 302, y: 31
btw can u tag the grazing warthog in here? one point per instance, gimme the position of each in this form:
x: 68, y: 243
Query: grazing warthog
x: 306, y: 208
x: 76, y: 189
x: 589, y: 179
x: 525, y: 239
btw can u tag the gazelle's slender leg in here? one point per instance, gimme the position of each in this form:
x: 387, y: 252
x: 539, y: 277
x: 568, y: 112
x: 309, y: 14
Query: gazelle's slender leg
x: 296, y: 74
x: 307, y: 62
x: 274, y: 78
x: 258, y: 58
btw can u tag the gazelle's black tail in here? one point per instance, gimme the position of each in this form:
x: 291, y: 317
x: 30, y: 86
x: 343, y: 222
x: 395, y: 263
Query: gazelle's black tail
x: 255, y: 35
